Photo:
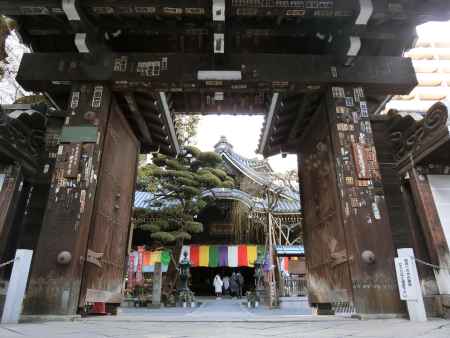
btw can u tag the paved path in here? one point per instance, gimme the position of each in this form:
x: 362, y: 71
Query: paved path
x: 225, y: 318
x: 137, y: 329
x: 213, y: 310
x: 221, y: 309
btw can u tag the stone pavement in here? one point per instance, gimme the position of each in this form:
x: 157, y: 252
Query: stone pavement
x: 211, y: 310
x: 225, y: 318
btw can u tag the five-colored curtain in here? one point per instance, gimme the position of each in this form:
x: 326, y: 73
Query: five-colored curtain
x: 232, y: 256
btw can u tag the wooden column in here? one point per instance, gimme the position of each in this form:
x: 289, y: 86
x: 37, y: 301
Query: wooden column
x: 349, y: 246
x: 392, y: 184
x: 60, y: 256
x: 432, y: 228
x: 406, y: 228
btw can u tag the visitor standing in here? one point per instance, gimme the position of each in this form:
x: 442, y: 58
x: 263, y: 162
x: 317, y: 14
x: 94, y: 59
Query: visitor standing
x: 218, y: 284
x: 226, y: 285
x: 241, y: 282
x: 234, y: 285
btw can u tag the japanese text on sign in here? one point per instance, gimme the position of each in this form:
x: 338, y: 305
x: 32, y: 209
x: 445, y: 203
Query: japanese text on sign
x: 407, y: 289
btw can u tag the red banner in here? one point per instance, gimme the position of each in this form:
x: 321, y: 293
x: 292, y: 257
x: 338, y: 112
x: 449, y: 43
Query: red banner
x: 139, y: 275
x: 131, y: 280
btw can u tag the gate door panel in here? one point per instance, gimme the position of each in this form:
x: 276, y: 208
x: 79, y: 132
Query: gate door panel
x: 107, y: 246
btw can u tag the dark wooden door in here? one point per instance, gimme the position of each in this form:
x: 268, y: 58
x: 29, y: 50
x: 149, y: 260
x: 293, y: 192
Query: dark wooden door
x: 108, y: 238
x: 11, y: 194
x: 328, y: 270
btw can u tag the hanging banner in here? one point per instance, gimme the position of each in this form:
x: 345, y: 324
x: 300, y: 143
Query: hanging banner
x: 139, y: 275
x: 232, y: 256
x: 131, y: 280
x: 147, y: 263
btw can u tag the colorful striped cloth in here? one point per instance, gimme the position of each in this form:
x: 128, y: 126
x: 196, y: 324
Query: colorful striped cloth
x: 213, y: 256
x: 204, y: 256
x: 242, y: 255
x: 195, y: 255
x: 252, y: 255
x: 223, y: 255
x: 149, y: 260
x: 232, y: 256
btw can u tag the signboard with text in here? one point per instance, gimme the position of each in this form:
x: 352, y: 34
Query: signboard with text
x: 405, y: 279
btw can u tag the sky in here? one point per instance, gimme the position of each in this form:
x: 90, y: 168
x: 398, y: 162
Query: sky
x: 243, y: 132
x: 434, y: 30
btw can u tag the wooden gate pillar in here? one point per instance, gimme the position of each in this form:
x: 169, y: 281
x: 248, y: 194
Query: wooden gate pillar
x: 348, y: 239
x: 59, y: 259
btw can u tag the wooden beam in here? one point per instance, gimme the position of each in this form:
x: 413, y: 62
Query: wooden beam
x: 178, y: 72
x: 137, y: 116
x: 331, y: 10
x: 268, y: 122
x: 169, y: 121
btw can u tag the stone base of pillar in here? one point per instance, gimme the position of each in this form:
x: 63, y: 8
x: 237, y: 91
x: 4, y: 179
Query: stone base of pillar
x: 325, y: 309
x: 442, y: 303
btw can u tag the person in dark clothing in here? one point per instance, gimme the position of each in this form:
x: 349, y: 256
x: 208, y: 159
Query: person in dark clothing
x: 234, y: 285
x: 241, y: 281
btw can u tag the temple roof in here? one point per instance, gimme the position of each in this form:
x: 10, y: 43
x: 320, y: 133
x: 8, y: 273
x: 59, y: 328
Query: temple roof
x: 145, y: 200
x: 255, y: 169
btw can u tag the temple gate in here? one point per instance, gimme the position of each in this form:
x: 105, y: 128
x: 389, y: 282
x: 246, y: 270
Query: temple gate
x: 316, y: 69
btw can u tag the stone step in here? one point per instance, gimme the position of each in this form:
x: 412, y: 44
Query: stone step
x: 294, y: 303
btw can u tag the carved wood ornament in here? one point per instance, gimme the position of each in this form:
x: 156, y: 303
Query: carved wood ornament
x: 410, y: 137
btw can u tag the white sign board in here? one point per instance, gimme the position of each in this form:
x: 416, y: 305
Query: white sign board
x: 405, y: 279
x: 16, y: 287
x: 409, y: 285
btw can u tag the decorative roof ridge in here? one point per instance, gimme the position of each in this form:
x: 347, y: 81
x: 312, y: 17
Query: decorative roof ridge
x: 223, y: 146
x: 284, y: 205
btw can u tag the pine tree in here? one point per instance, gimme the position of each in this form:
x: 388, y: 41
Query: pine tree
x: 177, y: 185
